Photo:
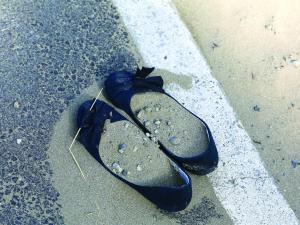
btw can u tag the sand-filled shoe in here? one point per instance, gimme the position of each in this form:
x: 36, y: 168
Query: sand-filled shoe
x: 182, y: 135
x: 132, y: 156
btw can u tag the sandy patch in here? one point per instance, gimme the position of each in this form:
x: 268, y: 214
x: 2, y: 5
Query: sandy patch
x: 118, y: 203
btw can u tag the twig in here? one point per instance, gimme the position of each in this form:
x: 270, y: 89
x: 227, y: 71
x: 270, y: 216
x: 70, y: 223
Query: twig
x: 74, y: 158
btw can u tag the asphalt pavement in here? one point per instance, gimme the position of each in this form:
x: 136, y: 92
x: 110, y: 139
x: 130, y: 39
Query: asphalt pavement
x: 49, y: 52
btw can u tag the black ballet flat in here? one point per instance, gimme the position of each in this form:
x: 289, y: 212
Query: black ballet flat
x: 105, y: 132
x: 183, y: 136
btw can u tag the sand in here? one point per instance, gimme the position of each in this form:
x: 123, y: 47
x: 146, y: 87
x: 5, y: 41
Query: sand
x: 253, y: 48
x: 176, y: 128
x: 102, y: 199
x: 130, y: 154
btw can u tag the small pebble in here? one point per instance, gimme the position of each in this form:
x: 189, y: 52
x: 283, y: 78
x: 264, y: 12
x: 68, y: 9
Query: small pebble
x: 19, y: 141
x: 148, y: 109
x: 145, y: 139
x: 296, y: 63
x: 156, y: 122
x: 157, y: 109
x: 185, y: 132
x: 139, y: 167
x: 146, y: 144
x: 122, y: 148
x: 148, y: 134
x: 16, y: 105
x: 169, y: 123
x: 156, y: 131
x: 135, y: 149
x: 294, y: 163
x: 256, y: 108
x: 174, y: 140
x: 153, y: 139
x: 125, y: 173
x: 110, y: 114
x: 116, y: 167
x: 126, y: 125
x: 147, y: 123
x: 140, y: 114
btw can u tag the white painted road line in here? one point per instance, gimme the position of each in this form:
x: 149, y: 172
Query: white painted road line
x: 241, y: 182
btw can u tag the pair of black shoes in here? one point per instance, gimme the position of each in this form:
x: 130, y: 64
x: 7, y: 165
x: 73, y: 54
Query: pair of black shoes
x: 164, y: 131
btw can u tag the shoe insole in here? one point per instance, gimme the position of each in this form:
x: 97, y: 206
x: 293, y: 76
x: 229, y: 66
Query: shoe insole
x: 176, y: 128
x: 128, y: 152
